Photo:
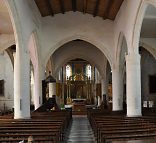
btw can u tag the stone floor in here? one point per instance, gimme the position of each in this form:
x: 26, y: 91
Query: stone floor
x: 80, y: 131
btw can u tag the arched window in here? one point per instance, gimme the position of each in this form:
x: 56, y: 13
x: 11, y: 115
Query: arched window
x: 68, y: 71
x: 88, y: 71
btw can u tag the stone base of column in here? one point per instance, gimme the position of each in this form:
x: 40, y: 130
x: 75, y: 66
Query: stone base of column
x: 117, y: 110
x: 134, y: 114
x: 15, y: 117
x: 117, y: 104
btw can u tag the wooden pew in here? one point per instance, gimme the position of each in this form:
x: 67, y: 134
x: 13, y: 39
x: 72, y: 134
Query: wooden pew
x: 44, y: 127
x: 108, y: 128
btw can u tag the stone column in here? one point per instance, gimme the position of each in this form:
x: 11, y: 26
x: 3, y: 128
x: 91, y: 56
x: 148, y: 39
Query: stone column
x: 36, y: 88
x: 133, y: 85
x: 42, y: 77
x: 21, y: 83
x: 117, y: 90
x: 36, y: 92
x: 104, y: 87
x: 98, y: 101
x: 95, y: 97
x: 39, y: 75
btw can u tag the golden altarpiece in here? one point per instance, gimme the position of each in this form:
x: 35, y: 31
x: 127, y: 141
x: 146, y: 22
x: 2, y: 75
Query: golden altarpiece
x: 77, y: 84
x: 78, y: 87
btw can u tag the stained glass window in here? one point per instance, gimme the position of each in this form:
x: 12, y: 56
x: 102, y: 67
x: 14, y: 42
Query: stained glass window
x: 68, y: 71
x: 88, y: 71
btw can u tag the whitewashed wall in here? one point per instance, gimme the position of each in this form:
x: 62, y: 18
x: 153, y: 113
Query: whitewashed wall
x: 63, y: 28
x: 6, y: 73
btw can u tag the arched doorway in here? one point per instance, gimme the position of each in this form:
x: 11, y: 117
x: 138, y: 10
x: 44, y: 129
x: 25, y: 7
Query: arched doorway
x: 78, y: 68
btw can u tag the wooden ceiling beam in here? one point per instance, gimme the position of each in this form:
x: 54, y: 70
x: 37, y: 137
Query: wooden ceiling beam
x: 62, y: 6
x: 106, y: 12
x: 84, y: 6
x: 74, y: 5
x: 96, y: 8
x: 49, y: 6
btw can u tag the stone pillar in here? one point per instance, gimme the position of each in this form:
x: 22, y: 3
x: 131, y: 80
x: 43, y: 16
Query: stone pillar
x: 36, y: 88
x: 98, y: 101
x: 39, y: 75
x: 42, y: 78
x: 117, y: 90
x: 133, y: 85
x: 104, y: 87
x: 21, y: 84
x: 96, y: 76
x: 94, y: 93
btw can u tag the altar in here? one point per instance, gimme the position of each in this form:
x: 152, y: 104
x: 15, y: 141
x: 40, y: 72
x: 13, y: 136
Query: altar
x: 79, y: 105
x: 78, y: 100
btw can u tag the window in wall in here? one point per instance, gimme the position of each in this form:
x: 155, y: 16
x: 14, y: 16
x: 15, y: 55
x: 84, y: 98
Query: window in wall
x: 68, y: 71
x: 1, y: 87
x: 88, y: 71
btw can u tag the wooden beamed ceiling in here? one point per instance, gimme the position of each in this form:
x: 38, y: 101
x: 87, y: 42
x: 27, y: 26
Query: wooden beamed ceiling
x: 107, y: 9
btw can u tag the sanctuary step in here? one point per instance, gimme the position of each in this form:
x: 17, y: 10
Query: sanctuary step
x: 80, y: 130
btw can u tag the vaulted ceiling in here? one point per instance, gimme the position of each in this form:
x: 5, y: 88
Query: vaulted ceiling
x: 107, y: 9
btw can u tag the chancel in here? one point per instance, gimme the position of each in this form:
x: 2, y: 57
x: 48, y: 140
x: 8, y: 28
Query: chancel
x: 78, y: 82
x: 78, y: 71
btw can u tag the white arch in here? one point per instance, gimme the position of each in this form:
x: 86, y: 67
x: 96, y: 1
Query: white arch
x: 34, y: 56
x: 6, y: 40
x: 151, y: 50
x: 139, y: 20
x: 32, y: 46
x: 84, y: 38
x: 121, y: 39
x: 14, y: 20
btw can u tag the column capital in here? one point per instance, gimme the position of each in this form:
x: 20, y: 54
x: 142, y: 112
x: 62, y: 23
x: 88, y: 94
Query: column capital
x: 133, y: 57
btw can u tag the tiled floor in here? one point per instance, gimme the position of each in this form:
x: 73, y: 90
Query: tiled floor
x: 80, y: 131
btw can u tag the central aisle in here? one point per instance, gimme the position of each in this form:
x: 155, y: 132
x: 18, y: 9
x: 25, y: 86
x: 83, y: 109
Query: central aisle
x: 81, y: 131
